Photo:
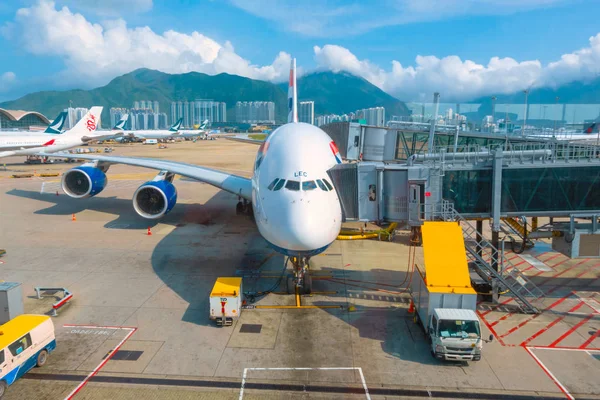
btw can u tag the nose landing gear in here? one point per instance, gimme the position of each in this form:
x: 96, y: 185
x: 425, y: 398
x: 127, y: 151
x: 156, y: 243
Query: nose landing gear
x: 301, y: 277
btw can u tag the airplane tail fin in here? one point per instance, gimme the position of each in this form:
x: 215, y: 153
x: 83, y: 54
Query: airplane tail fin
x: 175, y: 127
x: 88, y: 124
x: 55, y: 127
x: 292, y: 94
x: 205, y: 124
x: 590, y: 128
x: 121, y: 124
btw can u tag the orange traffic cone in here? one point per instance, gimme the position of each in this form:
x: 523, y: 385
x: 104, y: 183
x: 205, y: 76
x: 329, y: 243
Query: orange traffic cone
x: 73, y: 218
x: 411, y: 307
x: 149, y: 232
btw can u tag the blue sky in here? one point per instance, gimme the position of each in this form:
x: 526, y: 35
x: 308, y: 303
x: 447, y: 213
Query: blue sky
x: 409, y: 48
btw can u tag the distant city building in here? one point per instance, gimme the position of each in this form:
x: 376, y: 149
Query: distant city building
x: 374, y: 116
x: 155, y: 107
x: 306, y: 112
x: 141, y: 119
x: 255, y: 112
x: 136, y: 105
x: 449, y: 114
x: 73, y: 116
x: 197, y: 111
x: 327, y: 119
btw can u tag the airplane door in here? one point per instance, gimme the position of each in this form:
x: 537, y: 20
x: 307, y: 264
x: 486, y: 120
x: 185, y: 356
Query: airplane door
x: 416, y: 195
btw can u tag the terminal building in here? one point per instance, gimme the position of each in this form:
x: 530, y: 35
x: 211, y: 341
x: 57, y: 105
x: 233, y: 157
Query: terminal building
x: 22, y: 120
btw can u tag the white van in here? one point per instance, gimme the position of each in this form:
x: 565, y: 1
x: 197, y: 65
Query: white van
x: 150, y: 141
x: 25, y: 342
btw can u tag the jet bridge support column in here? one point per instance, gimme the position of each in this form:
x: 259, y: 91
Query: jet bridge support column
x: 496, y: 204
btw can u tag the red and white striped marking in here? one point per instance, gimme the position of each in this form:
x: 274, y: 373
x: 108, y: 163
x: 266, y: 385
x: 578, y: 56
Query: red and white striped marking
x: 112, y: 352
x: 62, y: 302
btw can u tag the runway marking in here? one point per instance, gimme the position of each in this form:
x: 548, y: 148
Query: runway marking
x: 110, y: 354
x: 549, y: 373
x: 360, y: 372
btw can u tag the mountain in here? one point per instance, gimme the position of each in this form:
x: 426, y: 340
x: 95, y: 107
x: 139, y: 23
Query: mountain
x: 339, y: 93
x: 333, y: 93
x: 571, y: 93
x: 146, y: 84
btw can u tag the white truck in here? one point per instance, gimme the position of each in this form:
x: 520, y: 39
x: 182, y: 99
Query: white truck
x: 443, y: 298
x: 450, y: 322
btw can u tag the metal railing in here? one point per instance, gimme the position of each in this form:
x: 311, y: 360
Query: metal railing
x: 491, y: 263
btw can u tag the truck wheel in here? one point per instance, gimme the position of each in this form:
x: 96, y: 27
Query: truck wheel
x: 42, y: 358
x: 3, y: 387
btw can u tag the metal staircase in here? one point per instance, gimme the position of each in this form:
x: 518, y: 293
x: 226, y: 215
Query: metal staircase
x: 513, y: 227
x: 524, y: 291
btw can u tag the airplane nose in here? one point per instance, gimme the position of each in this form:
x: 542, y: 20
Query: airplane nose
x: 307, y: 228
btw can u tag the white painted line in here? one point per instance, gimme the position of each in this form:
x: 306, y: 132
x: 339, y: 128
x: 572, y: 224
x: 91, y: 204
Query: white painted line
x: 550, y: 374
x: 362, y: 377
x: 537, y: 264
x: 112, y: 352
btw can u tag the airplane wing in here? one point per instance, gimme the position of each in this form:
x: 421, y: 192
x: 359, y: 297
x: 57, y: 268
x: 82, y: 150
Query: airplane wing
x: 244, y: 139
x: 232, y: 183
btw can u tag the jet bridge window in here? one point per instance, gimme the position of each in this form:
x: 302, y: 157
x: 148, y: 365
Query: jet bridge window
x: 322, y: 185
x: 293, y: 185
x: 327, y: 184
x: 309, y: 185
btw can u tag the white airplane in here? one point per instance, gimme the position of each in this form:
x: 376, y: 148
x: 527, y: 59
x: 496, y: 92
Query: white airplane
x: 201, y: 132
x: 33, y: 144
x: 173, y: 131
x: 296, y: 208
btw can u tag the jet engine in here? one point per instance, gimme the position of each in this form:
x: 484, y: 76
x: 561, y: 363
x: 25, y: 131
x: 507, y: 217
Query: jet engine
x: 154, y: 199
x: 84, y: 181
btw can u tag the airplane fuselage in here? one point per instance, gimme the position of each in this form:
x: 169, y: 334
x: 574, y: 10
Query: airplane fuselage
x: 301, y: 216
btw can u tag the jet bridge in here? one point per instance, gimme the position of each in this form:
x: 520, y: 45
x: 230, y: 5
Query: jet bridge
x: 391, y: 179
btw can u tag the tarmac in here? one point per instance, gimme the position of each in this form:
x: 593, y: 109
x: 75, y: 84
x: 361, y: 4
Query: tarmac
x: 138, y: 325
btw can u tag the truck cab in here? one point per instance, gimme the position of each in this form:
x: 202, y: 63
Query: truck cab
x: 455, y: 334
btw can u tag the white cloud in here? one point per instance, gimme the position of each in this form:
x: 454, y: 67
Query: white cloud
x: 7, y: 79
x: 94, y: 53
x: 343, y: 18
x: 463, y: 80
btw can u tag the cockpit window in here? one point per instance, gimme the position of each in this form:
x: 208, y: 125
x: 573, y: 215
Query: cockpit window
x: 321, y: 185
x: 328, y: 184
x: 308, y: 185
x: 292, y: 185
x: 279, y: 185
x: 272, y: 185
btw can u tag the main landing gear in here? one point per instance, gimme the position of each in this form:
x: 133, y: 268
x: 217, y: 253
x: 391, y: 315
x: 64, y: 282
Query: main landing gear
x: 244, y: 207
x: 301, y: 277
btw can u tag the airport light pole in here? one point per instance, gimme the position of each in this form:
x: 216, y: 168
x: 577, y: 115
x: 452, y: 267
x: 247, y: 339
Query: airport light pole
x: 493, y: 112
x: 556, y: 109
x: 526, y: 91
